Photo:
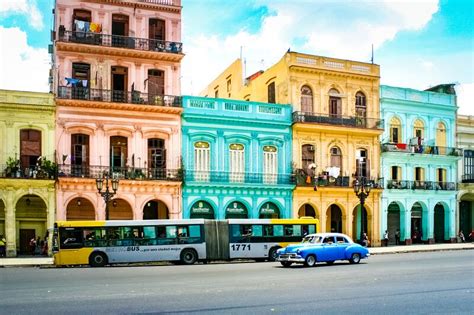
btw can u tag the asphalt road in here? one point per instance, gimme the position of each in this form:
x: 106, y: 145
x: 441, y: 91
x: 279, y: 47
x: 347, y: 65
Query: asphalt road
x: 414, y: 283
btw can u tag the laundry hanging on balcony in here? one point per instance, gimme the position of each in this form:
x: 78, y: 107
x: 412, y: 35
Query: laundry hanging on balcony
x: 95, y: 28
x: 76, y: 82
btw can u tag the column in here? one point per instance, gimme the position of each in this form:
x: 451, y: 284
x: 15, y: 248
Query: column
x: 50, y: 218
x: 10, y: 224
x: 406, y: 232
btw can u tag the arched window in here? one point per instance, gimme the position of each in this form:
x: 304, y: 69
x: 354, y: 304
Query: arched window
x: 418, y: 128
x: 237, y: 162
x: 307, y: 158
x: 306, y: 99
x: 395, y: 130
x: 335, y: 103
x: 270, y: 164
x: 202, y: 163
x: 336, y: 158
x: 361, y: 105
x: 271, y: 93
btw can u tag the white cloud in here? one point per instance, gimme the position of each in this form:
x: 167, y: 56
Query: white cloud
x: 338, y: 29
x: 23, y: 7
x: 22, y: 67
x: 465, y: 97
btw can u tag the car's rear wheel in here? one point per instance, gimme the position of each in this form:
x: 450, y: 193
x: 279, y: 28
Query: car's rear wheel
x: 355, y: 258
x: 310, y: 261
x: 330, y: 262
x: 286, y: 264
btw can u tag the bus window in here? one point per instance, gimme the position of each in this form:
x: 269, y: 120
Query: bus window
x: 182, y: 231
x: 194, y: 231
x: 278, y: 230
x: 312, y: 229
x: 257, y: 230
x: 288, y: 230
x: 268, y: 230
x: 235, y: 230
x: 189, y: 234
x: 296, y: 230
x: 171, y: 232
x: 71, y: 238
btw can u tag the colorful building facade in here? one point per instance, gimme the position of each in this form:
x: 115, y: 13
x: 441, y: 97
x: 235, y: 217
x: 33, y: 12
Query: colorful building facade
x: 336, y: 127
x: 237, y: 159
x: 465, y: 140
x: 27, y: 169
x: 116, y: 81
x: 419, y: 164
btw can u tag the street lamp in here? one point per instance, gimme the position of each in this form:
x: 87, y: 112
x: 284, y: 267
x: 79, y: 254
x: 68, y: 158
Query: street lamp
x: 107, y: 194
x: 362, y: 191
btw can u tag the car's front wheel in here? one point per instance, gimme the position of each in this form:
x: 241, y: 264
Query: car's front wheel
x: 355, y: 258
x: 286, y: 264
x: 310, y: 261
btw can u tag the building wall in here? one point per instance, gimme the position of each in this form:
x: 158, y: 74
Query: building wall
x: 25, y: 110
x: 431, y: 108
x: 465, y: 140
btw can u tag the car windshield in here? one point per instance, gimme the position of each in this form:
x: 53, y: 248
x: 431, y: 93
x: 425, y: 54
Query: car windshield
x: 312, y: 239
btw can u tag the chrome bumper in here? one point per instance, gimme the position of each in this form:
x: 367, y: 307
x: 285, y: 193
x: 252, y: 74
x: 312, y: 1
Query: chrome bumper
x: 290, y: 258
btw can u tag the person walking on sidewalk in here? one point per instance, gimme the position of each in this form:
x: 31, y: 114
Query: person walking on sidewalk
x: 461, y: 237
x: 397, y: 237
x: 3, y: 244
x: 385, y: 238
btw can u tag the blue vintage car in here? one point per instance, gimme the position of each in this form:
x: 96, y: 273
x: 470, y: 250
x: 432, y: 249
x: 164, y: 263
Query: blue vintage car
x: 322, y: 247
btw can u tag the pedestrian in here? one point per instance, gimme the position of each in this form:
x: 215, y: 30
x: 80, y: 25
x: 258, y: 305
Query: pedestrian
x: 461, y: 237
x: 365, y: 240
x: 385, y: 238
x: 397, y: 237
x: 3, y: 244
x: 38, y: 246
x: 32, y: 245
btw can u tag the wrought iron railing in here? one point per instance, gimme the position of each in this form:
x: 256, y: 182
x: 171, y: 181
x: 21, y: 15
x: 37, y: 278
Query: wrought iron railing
x: 420, y: 185
x: 421, y: 149
x: 134, y: 97
x: 131, y: 173
x: 238, y: 178
x: 304, y: 179
x: 468, y: 178
x: 119, y: 41
x: 346, y: 121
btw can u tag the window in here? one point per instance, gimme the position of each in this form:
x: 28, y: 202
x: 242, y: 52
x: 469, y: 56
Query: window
x: 468, y: 165
x: 71, y: 238
x: 118, y: 152
x: 328, y: 240
x: 340, y: 239
x: 237, y: 162
x: 419, y: 174
x: 271, y: 93
x: 216, y: 92
x: 335, y: 103
x: 418, y: 128
x: 362, y: 163
x: 156, y: 158
x: 441, y: 175
x: 396, y: 173
x: 229, y: 85
x: 395, y: 130
x: 307, y: 158
x: 30, y: 147
x: 202, y: 163
x: 306, y: 99
x: 361, y: 106
x: 336, y: 157
x: 156, y: 31
x: 441, y: 138
x: 80, y: 16
x: 270, y: 164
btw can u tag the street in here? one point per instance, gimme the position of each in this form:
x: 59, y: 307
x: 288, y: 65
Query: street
x: 412, y: 283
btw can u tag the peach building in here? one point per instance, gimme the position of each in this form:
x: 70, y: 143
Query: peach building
x: 116, y: 81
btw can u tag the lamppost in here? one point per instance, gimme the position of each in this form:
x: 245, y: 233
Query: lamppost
x: 107, y: 194
x: 362, y: 191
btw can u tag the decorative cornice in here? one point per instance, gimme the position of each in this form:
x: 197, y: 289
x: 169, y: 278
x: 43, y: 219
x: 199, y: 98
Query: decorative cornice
x: 118, y: 106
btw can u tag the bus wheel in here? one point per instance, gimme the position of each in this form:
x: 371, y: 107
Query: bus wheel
x: 272, y: 254
x: 188, y: 256
x: 97, y: 259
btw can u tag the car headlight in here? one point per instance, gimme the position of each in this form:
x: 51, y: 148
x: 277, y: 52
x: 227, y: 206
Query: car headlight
x: 298, y: 251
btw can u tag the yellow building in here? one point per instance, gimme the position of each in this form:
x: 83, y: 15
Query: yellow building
x: 335, y: 132
x: 27, y: 169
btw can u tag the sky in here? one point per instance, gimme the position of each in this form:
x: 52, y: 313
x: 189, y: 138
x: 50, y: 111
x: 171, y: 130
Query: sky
x: 417, y: 43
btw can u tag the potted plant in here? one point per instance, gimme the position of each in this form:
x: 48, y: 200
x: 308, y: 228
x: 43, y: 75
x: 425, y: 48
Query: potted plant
x: 47, y: 168
x: 13, y: 167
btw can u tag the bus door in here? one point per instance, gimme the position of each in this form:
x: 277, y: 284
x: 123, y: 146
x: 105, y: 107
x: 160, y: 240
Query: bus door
x: 70, y: 244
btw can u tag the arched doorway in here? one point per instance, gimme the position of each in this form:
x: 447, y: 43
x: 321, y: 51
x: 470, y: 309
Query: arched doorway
x: 2, y: 220
x: 202, y: 210
x: 417, y: 223
x: 439, y: 223
x: 236, y: 210
x: 155, y: 210
x: 79, y: 209
x: 269, y: 211
x: 356, y: 223
x: 306, y: 210
x: 334, y: 222
x: 120, y: 209
x: 31, y: 221
x: 466, y: 215
x: 393, y: 224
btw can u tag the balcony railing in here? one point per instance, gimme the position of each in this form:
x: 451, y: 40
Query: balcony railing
x: 303, y: 179
x: 420, y: 185
x: 33, y: 172
x: 98, y: 39
x: 130, y: 173
x: 100, y: 95
x: 238, y: 178
x: 346, y: 121
x: 421, y: 149
x: 468, y: 178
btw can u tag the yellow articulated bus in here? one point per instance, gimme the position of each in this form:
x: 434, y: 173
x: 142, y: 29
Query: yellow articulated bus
x: 99, y: 243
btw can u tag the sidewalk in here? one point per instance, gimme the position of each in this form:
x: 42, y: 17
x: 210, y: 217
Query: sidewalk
x: 48, y: 261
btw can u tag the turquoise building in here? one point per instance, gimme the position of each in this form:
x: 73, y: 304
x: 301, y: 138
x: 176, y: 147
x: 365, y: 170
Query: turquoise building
x: 419, y: 164
x: 236, y: 159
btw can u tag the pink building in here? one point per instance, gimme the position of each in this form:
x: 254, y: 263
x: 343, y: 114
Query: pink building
x: 116, y: 80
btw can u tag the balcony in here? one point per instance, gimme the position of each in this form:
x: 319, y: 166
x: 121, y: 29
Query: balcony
x: 100, y: 95
x: 421, y: 149
x: 345, y: 121
x: 420, y: 185
x: 302, y: 179
x: 33, y: 172
x: 118, y: 41
x: 468, y: 178
x: 219, y: 177
x: 127, y: 173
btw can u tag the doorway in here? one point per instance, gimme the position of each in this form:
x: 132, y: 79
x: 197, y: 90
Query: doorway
x: 118, y: 153
x: 25, y: 236
x: 120, y: 30
x: 119, y: 84
x: 157, y: 158
x: 156, y: 86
